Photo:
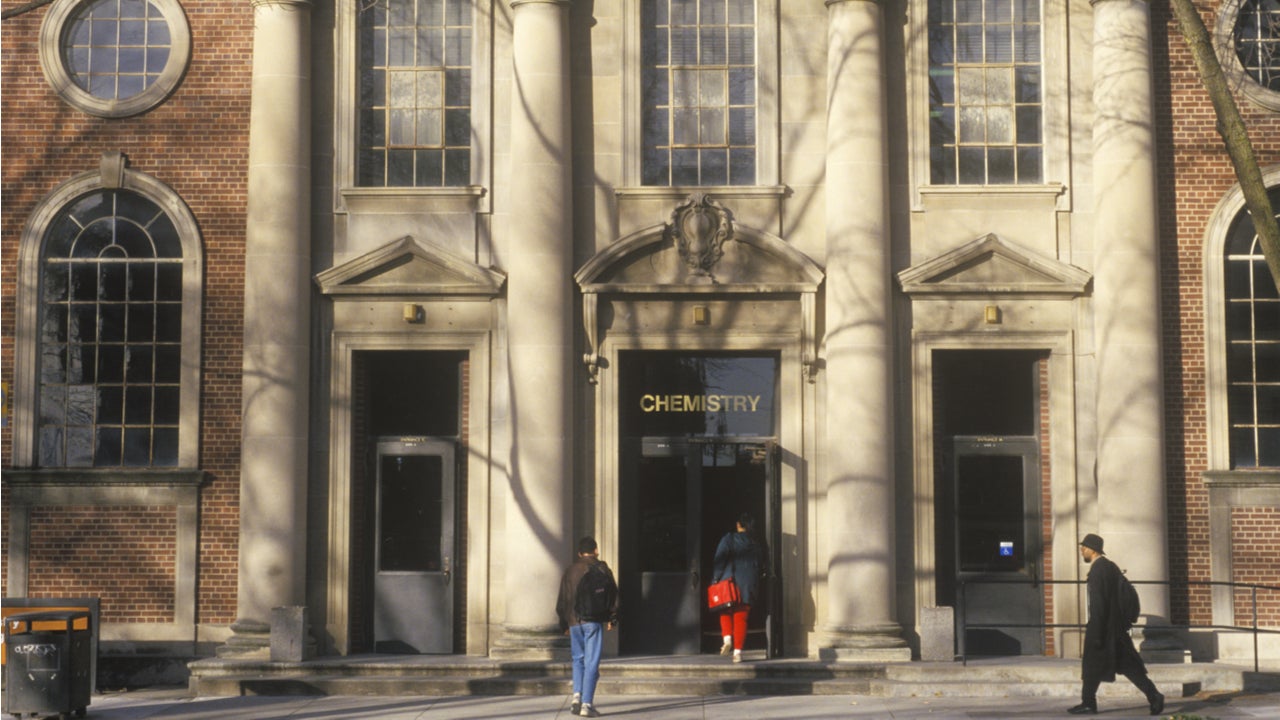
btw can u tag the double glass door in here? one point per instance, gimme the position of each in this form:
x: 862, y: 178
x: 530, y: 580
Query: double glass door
x: 681, y: 496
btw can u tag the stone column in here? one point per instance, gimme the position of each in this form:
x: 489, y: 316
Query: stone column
x: 859, y: 480
x: 277, y: 324
x: 540, y: 337
x: 1126, y: 304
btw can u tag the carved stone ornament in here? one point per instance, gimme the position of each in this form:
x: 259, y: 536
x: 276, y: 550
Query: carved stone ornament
x: 700, y: 227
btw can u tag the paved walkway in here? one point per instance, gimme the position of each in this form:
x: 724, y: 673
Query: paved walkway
x: 177, y: 703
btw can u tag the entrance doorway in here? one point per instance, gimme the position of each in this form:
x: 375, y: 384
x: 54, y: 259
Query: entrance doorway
x: 697, y: 450
x: 989, y: 497
x: 685, y: 495
x: 407, y: 486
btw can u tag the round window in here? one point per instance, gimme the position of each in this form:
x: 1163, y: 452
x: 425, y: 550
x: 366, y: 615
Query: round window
x: 115, y: 58
x: 1247, y: 38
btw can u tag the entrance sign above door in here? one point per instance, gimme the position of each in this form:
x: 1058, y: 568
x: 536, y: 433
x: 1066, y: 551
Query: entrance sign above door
x: 672, y: 394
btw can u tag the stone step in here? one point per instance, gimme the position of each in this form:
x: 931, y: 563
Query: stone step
x: 701, y: 676
x: 372, y: 685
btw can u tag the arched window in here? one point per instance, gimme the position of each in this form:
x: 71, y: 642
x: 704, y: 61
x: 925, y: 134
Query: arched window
x: 1253, y: 346
x: 1243, y: 331
x: 111, y: 289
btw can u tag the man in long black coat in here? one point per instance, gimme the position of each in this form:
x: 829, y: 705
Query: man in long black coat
x: 1108, y: 649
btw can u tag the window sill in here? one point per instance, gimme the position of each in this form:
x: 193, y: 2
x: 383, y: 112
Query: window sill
x: 715, y: 191
x: 412, y: 200
x: 115, y: 477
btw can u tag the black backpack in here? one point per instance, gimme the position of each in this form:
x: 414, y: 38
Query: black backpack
x: 1130, y: 606
x: 596, y: 594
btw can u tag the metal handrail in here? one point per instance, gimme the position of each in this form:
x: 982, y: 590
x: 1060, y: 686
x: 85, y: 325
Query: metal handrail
x: 1042, y: 626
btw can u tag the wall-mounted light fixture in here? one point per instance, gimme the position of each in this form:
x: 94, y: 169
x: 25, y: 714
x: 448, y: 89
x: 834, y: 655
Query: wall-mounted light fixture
x: 992, y: 315
x: 414, y: 313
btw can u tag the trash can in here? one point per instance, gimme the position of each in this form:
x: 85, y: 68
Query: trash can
x: 47, y: 661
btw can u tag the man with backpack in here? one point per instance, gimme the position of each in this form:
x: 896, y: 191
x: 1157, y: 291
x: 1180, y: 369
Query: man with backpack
x: 587, y: 606
x: 1108, y: 649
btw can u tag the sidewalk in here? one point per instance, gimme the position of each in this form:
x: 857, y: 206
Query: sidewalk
x: 177, y: 703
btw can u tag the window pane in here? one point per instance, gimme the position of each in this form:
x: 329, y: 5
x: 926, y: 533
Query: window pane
x: 1256, y: 38
x: 91, y: 381
x: 116, y: 50
x: 413, y: 116
x: 984, y: 91
x: 703, y: 52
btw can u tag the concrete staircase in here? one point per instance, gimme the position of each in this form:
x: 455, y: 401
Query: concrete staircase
x: 695, y: 676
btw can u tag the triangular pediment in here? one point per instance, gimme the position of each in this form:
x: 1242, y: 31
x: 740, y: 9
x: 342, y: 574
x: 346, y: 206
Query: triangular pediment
x: 712, y: 254
x: 991, y: 265
x: 409, y: 267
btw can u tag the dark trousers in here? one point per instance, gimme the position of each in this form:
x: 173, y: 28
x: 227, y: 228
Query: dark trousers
x: 1089, y: 690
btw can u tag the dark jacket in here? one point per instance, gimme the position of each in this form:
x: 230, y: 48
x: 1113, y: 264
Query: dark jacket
x: 1108, y: 649
x: 569, y: 591
x: 739, y: 557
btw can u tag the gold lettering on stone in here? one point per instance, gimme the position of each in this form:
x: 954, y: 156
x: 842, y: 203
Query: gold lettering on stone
x: 650, y: 403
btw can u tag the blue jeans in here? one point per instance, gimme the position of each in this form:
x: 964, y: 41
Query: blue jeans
x: 585, y: 641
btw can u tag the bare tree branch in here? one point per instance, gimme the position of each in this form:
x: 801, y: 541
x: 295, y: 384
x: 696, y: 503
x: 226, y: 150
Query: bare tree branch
x: 13, y: 12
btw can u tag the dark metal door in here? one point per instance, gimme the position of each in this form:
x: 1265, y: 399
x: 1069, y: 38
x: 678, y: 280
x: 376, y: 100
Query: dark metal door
x: 414, y: 554
x: 997, y: 544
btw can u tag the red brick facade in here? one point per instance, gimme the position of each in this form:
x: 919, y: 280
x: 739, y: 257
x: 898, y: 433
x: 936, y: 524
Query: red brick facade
x: 1194, y: 175
x: 80, y: 551
x: 196, y: 142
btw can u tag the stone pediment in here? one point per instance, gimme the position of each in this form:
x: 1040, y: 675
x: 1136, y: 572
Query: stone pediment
x: 409, y: 267
x: 991, y: 265
x: 701, y: 250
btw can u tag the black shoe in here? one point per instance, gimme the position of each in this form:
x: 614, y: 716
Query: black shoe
x: 588, y: 711
x: 575, y: 706
x: 1083, y: 709
x: 1157, y: 704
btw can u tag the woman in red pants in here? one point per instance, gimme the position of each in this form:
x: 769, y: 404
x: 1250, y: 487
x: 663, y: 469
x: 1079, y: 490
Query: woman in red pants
x: 738, y: 557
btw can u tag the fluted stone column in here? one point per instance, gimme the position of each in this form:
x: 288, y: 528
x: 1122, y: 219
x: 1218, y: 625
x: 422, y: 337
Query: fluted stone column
x: 1130, y: 464
x: 277, y: 296
x: 859, y: 480
x: 540, y: 336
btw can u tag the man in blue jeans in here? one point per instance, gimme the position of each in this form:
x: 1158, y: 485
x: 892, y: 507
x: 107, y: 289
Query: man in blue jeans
x: 587, y: 606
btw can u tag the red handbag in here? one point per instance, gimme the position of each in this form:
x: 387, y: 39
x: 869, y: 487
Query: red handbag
x: 723, y: 595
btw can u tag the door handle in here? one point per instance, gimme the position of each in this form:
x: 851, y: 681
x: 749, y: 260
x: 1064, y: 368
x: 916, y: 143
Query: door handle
x: 696, y: 580
x: 448, y: 573
x: 1035, y: 576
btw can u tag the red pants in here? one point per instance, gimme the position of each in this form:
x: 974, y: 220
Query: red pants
x: 734, y: 622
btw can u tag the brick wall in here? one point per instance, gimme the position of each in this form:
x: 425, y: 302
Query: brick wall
x: 1255, y: 553
x: 1194, y: 174
x: 80, y: 551
x: 196, y: 142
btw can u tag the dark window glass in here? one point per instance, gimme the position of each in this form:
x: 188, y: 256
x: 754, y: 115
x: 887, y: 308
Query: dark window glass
x: 115, y: 49
x: 101, y: 394
x: 410, y: 502
x: 1253, y: 353
x: 1257, y: 41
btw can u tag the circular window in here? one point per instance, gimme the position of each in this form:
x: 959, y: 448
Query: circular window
x: 1247, y: 37
x: 114, y: 58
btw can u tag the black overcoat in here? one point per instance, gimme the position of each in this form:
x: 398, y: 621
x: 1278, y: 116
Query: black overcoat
x: 1108, y: 649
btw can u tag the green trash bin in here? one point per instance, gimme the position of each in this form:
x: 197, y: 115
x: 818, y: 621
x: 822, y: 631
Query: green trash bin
x: 47, y: 663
